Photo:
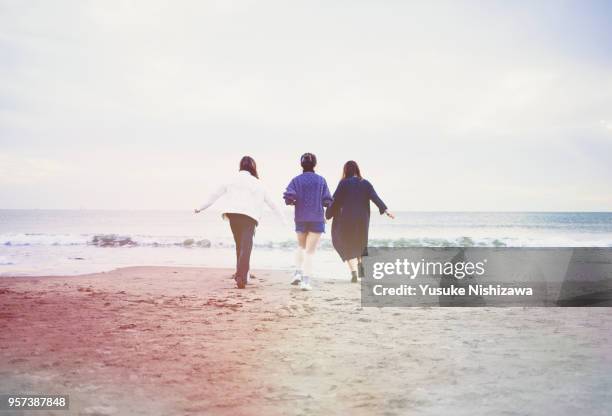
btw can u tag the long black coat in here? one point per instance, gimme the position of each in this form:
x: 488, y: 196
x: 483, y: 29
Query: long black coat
x: 351, y: 213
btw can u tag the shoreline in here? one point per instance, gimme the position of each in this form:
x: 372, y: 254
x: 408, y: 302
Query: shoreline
x: 168, y: 340
x: 64, y: 261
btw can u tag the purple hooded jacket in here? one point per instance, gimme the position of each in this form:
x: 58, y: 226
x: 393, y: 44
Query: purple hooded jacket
x: 309, y: 193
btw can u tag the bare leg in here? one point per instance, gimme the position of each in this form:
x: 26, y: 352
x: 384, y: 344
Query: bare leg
x: 299, y: 251
x: 301, y: 239
x: 299, y: 258
x: 312, y: 239
x: 352, y: 264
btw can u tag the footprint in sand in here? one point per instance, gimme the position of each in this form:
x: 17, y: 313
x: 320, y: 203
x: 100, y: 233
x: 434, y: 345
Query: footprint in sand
x: 309, y: 309
x: 284, y: 312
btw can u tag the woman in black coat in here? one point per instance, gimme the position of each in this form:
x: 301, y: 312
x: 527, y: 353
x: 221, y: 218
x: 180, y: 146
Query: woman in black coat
x: 351, y: 213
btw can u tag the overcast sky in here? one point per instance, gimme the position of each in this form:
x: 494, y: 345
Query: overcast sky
x: 446, y: 105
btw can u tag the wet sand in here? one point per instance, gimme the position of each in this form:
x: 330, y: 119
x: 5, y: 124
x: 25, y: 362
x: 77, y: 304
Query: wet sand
x: 163, y: 340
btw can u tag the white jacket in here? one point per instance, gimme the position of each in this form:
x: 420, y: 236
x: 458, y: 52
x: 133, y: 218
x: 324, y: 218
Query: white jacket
x: 243, y: 194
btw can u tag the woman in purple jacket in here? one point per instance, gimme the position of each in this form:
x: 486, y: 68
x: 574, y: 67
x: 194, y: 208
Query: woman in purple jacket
x: 310, y: 194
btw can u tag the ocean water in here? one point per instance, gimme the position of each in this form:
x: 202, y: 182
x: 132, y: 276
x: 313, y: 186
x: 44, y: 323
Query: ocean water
x: 51, y: 242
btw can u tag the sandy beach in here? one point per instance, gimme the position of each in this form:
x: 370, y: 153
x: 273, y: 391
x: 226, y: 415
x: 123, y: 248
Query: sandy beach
x: 165, y: 341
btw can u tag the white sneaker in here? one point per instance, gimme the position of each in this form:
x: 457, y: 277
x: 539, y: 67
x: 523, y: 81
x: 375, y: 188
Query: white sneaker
x: 305, y: 283
x: 297, y: 278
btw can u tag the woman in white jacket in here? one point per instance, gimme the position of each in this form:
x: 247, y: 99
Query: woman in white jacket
x: 243, y: 205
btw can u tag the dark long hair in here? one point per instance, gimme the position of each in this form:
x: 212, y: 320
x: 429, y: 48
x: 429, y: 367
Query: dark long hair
x: 308, y: 162
x: 248, y: 163
x: 351, y: 168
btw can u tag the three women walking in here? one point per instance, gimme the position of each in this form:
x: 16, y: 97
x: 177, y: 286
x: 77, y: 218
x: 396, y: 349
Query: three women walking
x: 245, y: 197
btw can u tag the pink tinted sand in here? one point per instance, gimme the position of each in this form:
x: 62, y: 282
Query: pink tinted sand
x: 162, y: 340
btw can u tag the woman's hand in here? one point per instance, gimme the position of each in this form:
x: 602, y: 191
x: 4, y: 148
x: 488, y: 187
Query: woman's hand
x: 388, y: 214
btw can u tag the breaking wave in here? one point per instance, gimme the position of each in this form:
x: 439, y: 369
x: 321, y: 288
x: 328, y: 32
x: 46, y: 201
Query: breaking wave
x: 195, y: 242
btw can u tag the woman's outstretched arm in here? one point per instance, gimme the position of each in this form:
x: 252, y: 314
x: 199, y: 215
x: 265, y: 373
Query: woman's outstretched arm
x: 274, y: 207
x: 382, y: 208
x: 212, y: 198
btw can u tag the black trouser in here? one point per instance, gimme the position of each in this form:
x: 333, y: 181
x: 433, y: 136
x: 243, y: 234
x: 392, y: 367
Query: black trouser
x: 243, y: 229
